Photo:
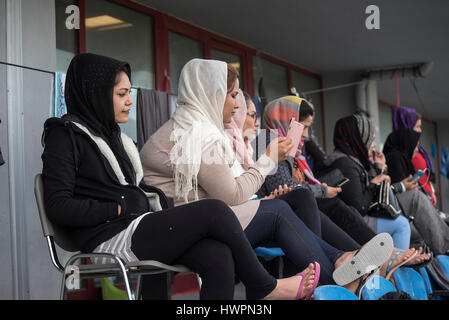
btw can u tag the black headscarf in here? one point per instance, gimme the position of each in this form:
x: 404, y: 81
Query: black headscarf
x: 398, y: 150
x: 89, y: 98
x: 347, y: 139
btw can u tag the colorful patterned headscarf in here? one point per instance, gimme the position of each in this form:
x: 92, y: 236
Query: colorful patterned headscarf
x: 277, y: 115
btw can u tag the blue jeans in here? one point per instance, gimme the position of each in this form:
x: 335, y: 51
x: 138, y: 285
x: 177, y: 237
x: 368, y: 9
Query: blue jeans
x: 275, y: 224
x: 399, y: 229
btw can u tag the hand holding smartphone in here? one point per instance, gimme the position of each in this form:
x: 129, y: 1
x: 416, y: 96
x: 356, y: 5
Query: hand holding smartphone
x: 295, y: 130
x: 418, y: 175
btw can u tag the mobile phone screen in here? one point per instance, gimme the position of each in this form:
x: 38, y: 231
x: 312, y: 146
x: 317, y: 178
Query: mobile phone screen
x: 295, y: 133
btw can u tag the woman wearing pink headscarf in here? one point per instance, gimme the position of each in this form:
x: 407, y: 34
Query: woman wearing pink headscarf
x: 241, y: 144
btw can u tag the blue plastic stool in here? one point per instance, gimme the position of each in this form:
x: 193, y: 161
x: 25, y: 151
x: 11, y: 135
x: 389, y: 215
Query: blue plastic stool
x: 272, y: 260
x: 376, y: 287
x: 333, y: 293
x: 426, y: 278
x: 444, y: 263
x: 410, y: 281
x: 269, y: 253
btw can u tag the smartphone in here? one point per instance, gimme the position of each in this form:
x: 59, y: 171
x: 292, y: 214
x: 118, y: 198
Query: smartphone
x: 295, y: 130
x: 341, y: 184
x: 418, y: 174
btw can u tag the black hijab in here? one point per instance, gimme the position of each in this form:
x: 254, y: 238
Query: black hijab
x: 89, y: 98
x: 398, y: 150
x: 347, y: 139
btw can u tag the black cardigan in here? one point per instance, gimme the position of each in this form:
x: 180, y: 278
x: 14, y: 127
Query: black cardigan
x: 359, y: 191
x: 81, y: 191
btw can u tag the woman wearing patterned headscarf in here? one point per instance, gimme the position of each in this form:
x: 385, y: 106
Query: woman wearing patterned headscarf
x: 296, y: 172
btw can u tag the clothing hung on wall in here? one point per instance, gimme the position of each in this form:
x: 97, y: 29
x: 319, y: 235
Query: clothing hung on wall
x: 59, y: 107
x: 153, y: 110
x: 445, y: 162
x: 2, y: 162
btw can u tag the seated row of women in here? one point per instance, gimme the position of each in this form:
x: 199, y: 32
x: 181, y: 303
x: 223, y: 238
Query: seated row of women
x: 93, y: 187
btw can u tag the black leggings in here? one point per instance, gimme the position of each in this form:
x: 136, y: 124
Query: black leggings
x: 304, y: 204
x: 207, y: 237
x: 347, y: 218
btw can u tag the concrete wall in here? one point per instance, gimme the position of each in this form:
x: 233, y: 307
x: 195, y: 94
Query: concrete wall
x: 443, y: 139
x: 5, y: 225
x: 338, y: 103
x: 26, y: 271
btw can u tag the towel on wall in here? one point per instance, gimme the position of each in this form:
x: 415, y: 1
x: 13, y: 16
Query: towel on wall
x: 59, y: 107
x: 153, y: 110
x: 2, y: 161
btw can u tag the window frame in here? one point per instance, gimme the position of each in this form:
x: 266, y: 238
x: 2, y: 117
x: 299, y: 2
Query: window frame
x: 164, y: 23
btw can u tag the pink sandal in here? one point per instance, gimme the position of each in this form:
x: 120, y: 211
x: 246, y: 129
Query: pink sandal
x: 315, y: 283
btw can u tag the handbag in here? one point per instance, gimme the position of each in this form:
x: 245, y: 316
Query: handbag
x: 386, y: 204
x: 332, y: 178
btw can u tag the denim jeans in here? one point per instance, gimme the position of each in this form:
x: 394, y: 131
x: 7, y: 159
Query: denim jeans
x: 275, y: 224
x: 399, y: 229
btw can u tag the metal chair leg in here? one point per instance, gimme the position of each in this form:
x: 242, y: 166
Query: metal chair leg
x: 119, y: 261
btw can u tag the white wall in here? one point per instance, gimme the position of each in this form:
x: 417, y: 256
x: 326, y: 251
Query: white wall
x: 5, y: 225
x: 26, y: 271
x: 443, y: 140
x: 338, y: 103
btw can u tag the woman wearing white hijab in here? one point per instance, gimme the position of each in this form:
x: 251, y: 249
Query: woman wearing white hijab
x: 190, y: 158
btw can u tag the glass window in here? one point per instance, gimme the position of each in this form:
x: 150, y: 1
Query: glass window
x: 233, y: 59
x: 124, y: 34
x: 303, y: 83
x: 121, y: 33
x: 274, y: 78
x: 66, y: 40
x: 182, y: 49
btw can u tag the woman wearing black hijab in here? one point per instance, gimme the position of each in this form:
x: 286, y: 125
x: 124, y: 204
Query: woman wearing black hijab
x: 399, y: 149
x: 354, y: 141
x: 91, y: 175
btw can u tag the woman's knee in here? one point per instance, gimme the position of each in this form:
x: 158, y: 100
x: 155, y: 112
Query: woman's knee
x: 219, y: 262
x: 303, y: 193
x: 402, y: 224
x: 302, y: 197
x: 219, y: 213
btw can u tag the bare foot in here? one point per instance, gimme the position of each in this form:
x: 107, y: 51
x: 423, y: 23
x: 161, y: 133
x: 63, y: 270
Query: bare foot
x: 419, y: 258
x: 400, y: 258
x: 344, y: 257
x: 287, y: 289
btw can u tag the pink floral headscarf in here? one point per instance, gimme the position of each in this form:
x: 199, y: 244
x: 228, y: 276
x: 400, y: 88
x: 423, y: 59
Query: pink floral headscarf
x: 234, y: 130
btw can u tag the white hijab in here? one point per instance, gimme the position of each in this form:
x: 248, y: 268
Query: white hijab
x: 198, y: 122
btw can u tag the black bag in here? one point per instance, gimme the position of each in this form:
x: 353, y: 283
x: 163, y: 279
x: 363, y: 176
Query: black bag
x: 332, y: 178
x: 386, y: 204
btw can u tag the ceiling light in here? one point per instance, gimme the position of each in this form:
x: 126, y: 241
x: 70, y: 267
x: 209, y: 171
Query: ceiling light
x: 102, y: 21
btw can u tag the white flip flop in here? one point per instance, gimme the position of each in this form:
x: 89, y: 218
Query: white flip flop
x: 370, y: 257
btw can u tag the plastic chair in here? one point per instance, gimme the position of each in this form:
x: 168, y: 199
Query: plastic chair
x: 444, y: 263
x: 410, y: 281
x: 74, y: 273
x: 272, y: 260
x: 269, y: 253
x: 330, y: 292
x: 376, y: 287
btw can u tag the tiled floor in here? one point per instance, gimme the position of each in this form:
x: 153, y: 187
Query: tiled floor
x: 239, y: 294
